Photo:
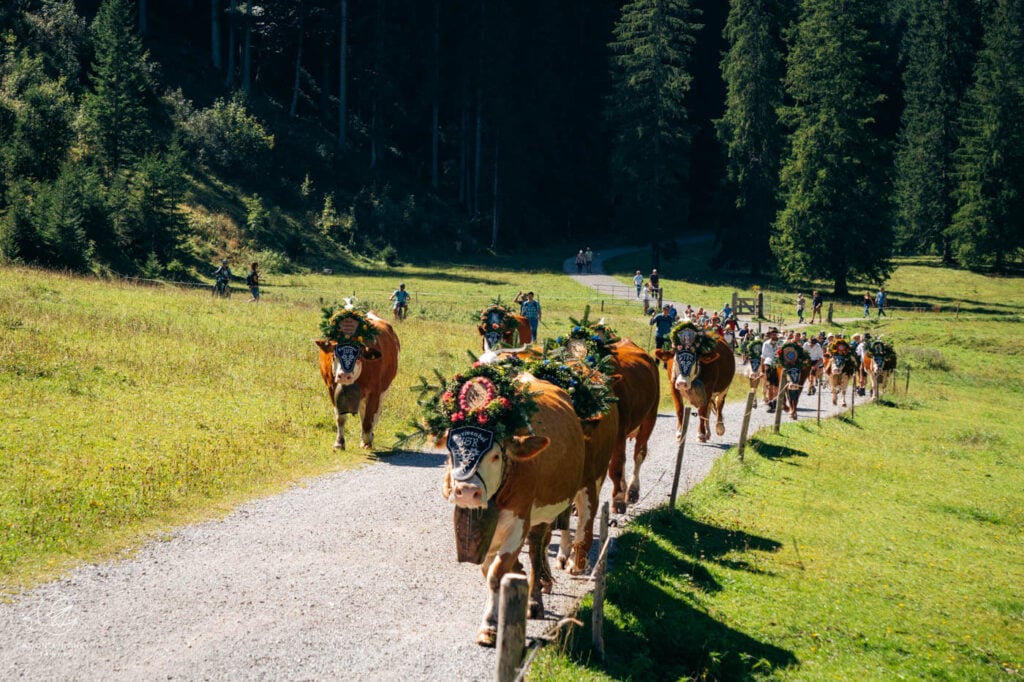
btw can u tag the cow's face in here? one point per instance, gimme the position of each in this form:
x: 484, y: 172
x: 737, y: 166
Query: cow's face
x: 838, y: 363
x: 491, y: 329
x: 685, y: 368
x: 347, y: 361
x: 476, y: 463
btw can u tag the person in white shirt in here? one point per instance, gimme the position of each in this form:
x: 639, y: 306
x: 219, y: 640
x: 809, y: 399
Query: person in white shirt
x: 813, y: 348
x: 768, y: 350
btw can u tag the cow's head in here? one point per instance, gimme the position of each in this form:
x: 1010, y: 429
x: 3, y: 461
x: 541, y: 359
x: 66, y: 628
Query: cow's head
x: 347, y: 360
x: 477, y: 465
x: 838, y: 365
x: 492, y: 327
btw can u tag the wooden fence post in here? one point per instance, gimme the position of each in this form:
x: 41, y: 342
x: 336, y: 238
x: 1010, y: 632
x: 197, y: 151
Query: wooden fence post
x: 679, y: 457
x: 906, y: 389
x: 511, y: 625
x: 817, y: 389
x: 597, y: 613
x: 853, y: 396
x: 830, y: 313
x: 778, y: 407
x: 746, y: 422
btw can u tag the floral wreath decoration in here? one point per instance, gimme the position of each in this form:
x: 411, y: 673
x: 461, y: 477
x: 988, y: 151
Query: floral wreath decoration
x: 486, y: 396
x: 751, y: 348
x: 840, y: 346
x: 347, y: 326
x: 589, y: 389
x: 686, y: 334
x: 508, y: 322
x: 792, y: 354
x: 580, y: 344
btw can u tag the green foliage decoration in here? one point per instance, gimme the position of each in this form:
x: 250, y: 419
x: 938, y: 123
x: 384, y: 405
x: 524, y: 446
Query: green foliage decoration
x: 705, y: 340
x: 364, y: 333
x: 589, y: 389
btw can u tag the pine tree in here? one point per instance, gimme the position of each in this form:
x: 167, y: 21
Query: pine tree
x: 117, y: 108
x: 653, y: 40
x: 835, y: 222
x: 988, y: 226
x: 939, y: 47
x: 750, y: 129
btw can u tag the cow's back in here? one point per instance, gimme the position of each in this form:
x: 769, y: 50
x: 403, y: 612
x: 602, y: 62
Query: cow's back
x: 717, y: 375
x: 638, y: 387
x: 377, y: 375
x: 553, y: 476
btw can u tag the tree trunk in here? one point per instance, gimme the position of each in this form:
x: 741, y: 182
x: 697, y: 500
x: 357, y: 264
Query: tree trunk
x: 293, y: 109
x: 215, y: 34
x: 247, y: 51
x: 229, y: 80
x: 475, y: 200
x: 143, y: 17
x: 494, y: 201
x: 342, y: 78
x: 463, y: 156
x: 435, y: 96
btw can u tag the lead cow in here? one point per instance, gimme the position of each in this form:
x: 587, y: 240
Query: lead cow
x: 700, y: 370
x: 358, y: 366
x: 507, y: 487
x: 499, y: 326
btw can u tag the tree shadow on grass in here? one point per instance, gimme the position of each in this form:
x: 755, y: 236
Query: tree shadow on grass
x: 773, y: 451
x: 657, y: 627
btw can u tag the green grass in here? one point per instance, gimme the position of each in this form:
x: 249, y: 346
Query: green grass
x: 130, y: 410
x: 886, y: 546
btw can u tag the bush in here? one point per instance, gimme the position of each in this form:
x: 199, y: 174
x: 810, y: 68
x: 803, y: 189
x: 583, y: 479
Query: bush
x: 227, y: 136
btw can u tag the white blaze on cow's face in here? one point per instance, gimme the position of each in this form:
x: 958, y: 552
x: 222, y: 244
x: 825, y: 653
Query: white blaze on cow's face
x: 346, y: 364
x: 475, y: 465
x: 685, y: 369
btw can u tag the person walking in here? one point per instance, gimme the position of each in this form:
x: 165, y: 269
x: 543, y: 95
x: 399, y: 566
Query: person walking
x: 581, y: 262
x: 816, y: 302
x: 662, y: 326
x: 589, y: 256
x: 768, y: 350
x: 252, y: 280
x: 867, y: 304
x: 638, y: 282
x: 800, y: 308
x: 880, y: 302
x: 530, y: 309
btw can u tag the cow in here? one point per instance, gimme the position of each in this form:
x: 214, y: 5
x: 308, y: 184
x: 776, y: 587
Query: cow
x: 879, y: 364
x: 703, y: 379
x: 636, y: 385
x: 840, y: 365
x: 793, y: 365
x: 358, y: 376
x: 518, y: 487
x: 499, y: 327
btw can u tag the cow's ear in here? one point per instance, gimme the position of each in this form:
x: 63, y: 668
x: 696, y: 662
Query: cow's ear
x: 523, y: 448
x: 324, y: 345
x: 370, y: 353
x: 663, y: 354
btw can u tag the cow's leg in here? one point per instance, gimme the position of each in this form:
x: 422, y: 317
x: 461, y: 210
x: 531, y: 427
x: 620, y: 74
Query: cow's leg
x: 543, y: 574
x: 340, y: 418
x: 617, y: 475
x: 540, y: 538
x: 719, y: 404
x: 643, y: 434
x: 586, y: 502
x: 369, y: 411
x: 509, y: 536
x: 704, y: 430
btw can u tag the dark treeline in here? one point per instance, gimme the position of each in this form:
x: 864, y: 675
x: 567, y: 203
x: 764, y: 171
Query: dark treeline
x: 815, y: 137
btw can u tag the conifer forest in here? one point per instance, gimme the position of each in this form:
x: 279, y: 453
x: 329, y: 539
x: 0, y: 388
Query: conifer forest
x: 816, y: 139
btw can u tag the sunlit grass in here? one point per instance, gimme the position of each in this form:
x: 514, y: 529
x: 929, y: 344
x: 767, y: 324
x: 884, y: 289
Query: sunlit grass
x: 883, y: 546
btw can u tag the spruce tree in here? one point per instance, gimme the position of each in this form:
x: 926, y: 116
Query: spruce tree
x: 939, y: 50
x: 835, y: 223
x: 116, y: 110
x: 750, y: 129
x: 653, y: 40
x: 988, y: 226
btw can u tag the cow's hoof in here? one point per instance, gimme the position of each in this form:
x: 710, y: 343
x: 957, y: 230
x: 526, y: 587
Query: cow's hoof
x: 536, y: 609
x: 487, y: 636
x: 339, y: 445
x: 679, y: 435
x: 620, y: 506
x: 563, y: 561
x: 720, y: 429
x: 702, y: 439
x: 634, y: 494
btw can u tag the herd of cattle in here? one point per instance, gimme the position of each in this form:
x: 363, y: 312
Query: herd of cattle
x: 521, y: 453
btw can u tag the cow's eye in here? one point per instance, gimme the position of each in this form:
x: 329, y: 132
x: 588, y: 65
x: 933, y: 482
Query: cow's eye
x: 495, y: 458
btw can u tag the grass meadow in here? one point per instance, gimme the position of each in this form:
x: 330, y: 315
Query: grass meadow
x: 885, y: 546
x: 129, y: 410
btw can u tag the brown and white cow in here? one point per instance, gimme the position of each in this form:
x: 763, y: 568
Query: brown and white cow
x: 358, y: 377
x: 703, y: 381
x: 840, y: 365
x: 494, y: 334
x: 515, y: 488
x: 636, y: 385
x: 793, y: 366
x: 879, y: 364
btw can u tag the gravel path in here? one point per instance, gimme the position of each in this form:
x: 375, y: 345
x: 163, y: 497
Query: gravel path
x: 350, y: 576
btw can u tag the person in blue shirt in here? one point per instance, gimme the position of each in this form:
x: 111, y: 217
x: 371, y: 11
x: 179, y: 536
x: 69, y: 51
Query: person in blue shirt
x: 530, y: 309
x: 401, y: 299
x: 662, y: 325
x: 880, y: 302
